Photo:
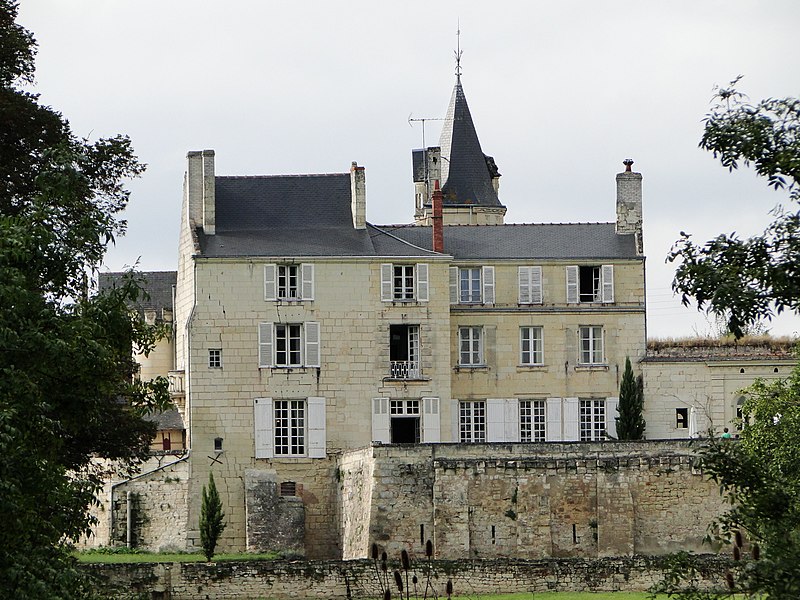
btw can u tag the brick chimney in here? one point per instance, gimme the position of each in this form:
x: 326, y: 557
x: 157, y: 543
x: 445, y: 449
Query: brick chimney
x: 436, y: 219
x: 629, y: 204
x: 358, y: 196
x: 200, y: 189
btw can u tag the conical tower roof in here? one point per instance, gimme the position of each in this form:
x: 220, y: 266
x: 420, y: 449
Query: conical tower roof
x: 465, y: 171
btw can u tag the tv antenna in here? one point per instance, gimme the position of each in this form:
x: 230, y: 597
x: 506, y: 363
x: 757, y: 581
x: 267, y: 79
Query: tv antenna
x: 412, y: 120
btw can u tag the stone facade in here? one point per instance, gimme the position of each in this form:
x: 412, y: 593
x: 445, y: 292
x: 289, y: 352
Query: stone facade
x: 706, y: 377
x: 527, y: 500
x: 357, y: 579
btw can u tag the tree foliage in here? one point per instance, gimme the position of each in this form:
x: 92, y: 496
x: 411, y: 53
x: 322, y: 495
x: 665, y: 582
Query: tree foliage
x: 212, y: 519
x: 760, y: 478
x: 630, y: 422
x: 747, y: 280
x: 67, y: 391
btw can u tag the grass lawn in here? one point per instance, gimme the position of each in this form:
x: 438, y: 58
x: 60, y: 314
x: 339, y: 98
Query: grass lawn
x: 562, y: 596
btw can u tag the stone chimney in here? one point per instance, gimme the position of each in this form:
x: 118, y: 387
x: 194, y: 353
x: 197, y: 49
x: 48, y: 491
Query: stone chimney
x: 209, y: 193
x: 358, y: 196
x: 436, y: 219
x: 629, y: 204
x: 200, y: 189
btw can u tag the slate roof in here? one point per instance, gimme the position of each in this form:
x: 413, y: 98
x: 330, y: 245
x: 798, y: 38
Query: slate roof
x: 168, y: 419
x: 157, y: 285
x: 578, y: 241
x: 466, y: 177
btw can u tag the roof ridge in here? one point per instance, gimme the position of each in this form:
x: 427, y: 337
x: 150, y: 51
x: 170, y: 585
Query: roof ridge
x: 298, y: 175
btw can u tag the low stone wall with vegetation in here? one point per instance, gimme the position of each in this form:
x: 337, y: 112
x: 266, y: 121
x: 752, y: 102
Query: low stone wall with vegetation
x: 240, y: 580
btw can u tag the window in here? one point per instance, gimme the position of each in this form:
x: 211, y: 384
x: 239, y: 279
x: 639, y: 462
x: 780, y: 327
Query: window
x: 531, y: 421
x: 404, y: 283
x: 681, y: 418
x: 472, y: 422
x: 590, y: 283
x: 530, y: 285
x: 288, y: 345
x: 469, y: 285
x: 592, y: 420
x: 404, y: 352
x: 289, y: 282
x: 470, y: 346
x: 290, y: 427
x: 214, y: 358
x: 530, y: 346
x: 591, y: 339
x: 472, y: 285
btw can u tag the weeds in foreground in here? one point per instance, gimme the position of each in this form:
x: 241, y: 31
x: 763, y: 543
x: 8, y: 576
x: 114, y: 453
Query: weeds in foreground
x: 405, y: 579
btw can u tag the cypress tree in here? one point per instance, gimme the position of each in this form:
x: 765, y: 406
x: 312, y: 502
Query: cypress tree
x: 630, y: 422
x: 211, y: 518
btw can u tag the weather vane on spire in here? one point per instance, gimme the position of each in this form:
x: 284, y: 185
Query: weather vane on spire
x: 458, y: 51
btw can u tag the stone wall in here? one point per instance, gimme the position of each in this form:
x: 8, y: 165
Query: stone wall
x: 159, y: 509
x: 530, y: 500
x: 357, y: 579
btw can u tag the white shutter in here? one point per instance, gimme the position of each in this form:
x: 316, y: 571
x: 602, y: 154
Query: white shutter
x: 453, y: 285
x: 488, y: 285
x: 455, y: 420
x: 571, y: 419
x: 270, y: 290
x: 316, y: 427
x: 422, y: 282
x: 607, y: 281
x: 387, y: 286
x: 511, y: 419
x: 553, y: 420
x: 307, y: 278
x: 537, y: 295
x: 530, y: 285
x: 380, y: 420
x: 612, y: 404
x: 263, y: 427
x: 431, y: 425
x: 265, y: 358
x: 312, y: 344
x: 495, y: 426
x: 524, y: 285
x: 572, y: 285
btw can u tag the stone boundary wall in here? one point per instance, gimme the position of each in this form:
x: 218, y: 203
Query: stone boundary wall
x: 299, y: 580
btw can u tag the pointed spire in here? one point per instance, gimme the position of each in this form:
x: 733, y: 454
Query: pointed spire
x: 464, y: 168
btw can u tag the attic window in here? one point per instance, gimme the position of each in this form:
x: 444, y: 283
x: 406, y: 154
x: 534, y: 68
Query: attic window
x: 288, y: 488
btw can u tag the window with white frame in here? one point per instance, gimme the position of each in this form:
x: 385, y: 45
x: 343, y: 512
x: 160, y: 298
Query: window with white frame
x: 290, y: 427
x: 472, y: 285
x: 532, y: 420
x: 286, y: 428
x: 289, y: 282
x: 470, y: 345
x: 531, y: 346
x: 288, y: 345
x: 591, y: 345
x: 469, y: 285
x: 592, y: 420
x: 215, y: 358
x: 530, y: 285
x: 472, y: 421
x: 590, y: 283
x: 404, y: 283
x: 404, y: 360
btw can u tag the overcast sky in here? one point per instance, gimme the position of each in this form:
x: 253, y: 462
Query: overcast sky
x: 560, y: 92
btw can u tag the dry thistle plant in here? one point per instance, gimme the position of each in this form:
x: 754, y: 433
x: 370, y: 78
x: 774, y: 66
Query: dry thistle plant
x: 407, y: 582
